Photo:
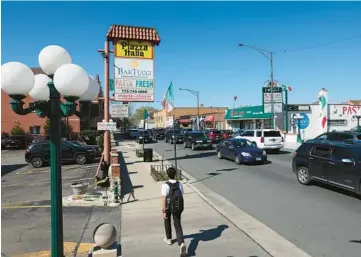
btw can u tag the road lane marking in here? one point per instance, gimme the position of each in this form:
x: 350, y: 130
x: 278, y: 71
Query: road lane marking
x: 34, y: 171
x: 42, y: 183
x: 69, y: 248
x: 24, y: 206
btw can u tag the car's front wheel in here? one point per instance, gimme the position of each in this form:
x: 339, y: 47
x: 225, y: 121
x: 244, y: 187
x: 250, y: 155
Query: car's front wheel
x: 80, y: 159
x: 303, y: 175
x: 237, y: 160
x: 37, y: 162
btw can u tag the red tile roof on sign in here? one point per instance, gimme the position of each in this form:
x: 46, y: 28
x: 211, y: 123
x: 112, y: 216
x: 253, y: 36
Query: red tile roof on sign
x: 117, y: 32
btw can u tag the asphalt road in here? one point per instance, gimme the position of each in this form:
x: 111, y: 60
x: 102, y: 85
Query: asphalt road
x: 320, y: 220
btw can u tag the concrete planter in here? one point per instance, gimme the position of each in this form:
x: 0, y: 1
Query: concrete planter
x: 79, y: 188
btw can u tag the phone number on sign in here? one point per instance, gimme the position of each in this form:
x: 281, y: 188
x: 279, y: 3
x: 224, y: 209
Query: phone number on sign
x: 134, y: 98
x: 134, y: 91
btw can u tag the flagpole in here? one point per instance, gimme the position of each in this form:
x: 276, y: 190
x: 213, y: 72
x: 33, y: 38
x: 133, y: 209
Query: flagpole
x: 174, y: 141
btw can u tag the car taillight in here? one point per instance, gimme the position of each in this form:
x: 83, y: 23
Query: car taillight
x: 262, y: 139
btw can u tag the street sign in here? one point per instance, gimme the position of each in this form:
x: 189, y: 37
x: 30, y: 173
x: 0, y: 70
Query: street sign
x: 298, y: 108
x: 277, y: 99
x: 111, y: 126
x: 119, y: 111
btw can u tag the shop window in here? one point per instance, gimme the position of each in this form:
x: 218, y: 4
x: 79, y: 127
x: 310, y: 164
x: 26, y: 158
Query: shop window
x: 35, y: 130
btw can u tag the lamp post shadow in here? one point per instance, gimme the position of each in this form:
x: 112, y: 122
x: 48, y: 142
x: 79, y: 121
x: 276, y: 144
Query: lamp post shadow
x: 204, y: 236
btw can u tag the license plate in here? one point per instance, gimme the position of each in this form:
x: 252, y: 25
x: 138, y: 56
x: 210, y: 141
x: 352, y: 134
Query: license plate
x: 258, y: 159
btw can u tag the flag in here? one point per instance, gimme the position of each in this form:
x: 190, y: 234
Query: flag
x: 235, y: 98
x: 146, y: 114
x: 168, y: 99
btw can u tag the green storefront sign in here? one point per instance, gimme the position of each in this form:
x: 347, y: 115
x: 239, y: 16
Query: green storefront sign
x: 247, y: 113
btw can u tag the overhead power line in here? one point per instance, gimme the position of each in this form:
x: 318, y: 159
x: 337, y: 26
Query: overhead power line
x: 324, y: 44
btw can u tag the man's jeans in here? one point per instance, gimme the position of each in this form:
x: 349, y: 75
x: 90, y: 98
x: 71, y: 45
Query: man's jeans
x: 177, y: 226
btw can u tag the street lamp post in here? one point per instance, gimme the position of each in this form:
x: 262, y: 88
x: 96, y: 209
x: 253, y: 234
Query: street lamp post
x: 63, y: 78
x: 358, y: 117
x: 269, y: 56
x: 196, y: 93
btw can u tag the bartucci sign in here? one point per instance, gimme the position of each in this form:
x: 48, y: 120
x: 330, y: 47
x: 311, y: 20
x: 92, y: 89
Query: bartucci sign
x: 134, y: 80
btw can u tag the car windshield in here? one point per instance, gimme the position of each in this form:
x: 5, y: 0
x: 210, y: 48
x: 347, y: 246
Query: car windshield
x: 358, y: 137
x: 243, y: 143
x: 177, y: 132
x: 143, y: 132
x: 215, y: 132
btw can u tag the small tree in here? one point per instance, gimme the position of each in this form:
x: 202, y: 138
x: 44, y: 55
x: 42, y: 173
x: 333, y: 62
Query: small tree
x: 17, y: 130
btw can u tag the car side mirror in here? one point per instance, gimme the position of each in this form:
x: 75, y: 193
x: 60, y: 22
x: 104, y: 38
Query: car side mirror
x: 347, y: 161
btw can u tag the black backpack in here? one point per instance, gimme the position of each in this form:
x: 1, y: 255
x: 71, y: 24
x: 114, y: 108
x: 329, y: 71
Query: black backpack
x: 175, y: 202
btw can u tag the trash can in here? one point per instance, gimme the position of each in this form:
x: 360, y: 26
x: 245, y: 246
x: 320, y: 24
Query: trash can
x: 148, y: 155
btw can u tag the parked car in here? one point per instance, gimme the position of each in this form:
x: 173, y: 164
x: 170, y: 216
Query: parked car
x: 3, y: 140
x: 175, y: 136
x: 150, y: 132
x: 340, y: 136
x: 241, y: 151
x: 143, y: 136
x: 16, y: 142
x: 267, y: 139
x: 214, y: 135
x: 226, y: 134
x: 38, y: 154
x: 133, y: 133
x: 158, y: 133
x: 196, y: 140
x: 334, y: 163
x: 97, y: 149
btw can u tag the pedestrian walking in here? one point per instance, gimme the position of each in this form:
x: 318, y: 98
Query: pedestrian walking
x: 173, y: 206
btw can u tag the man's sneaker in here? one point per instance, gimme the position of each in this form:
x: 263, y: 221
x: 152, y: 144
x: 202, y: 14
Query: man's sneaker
x: 168, y: 241
x: 183, y: 250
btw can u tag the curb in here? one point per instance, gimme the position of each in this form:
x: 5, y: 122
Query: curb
x: 269, y: 240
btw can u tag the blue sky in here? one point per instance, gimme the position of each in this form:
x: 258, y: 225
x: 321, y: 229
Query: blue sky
x: 199, y: 44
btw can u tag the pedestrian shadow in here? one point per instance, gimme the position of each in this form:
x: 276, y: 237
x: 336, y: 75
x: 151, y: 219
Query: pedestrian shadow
x: 203, y: 236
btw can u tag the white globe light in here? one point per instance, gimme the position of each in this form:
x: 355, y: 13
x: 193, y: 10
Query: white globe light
x: 16, y: 78
x: 71, y: 80
x: 40, y: 91
x: 92, y: 92
x: 52, y: 57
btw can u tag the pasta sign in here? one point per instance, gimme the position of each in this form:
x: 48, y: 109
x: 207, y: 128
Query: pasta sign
x: 134, y: 49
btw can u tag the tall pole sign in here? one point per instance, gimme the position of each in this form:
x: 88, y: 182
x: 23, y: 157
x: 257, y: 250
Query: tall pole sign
x: 134, y: 71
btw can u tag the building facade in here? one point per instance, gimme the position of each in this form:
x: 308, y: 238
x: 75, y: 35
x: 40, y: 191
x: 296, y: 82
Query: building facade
x: 34, y: 125
x: 249, y: 117
x: 186, y: 117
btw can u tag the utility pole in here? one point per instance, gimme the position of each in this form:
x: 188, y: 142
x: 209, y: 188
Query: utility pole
x: 272, y: 102
x: 196, y: 93
x: 269, y: 56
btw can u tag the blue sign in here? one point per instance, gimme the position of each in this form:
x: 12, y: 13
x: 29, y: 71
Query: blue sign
x: 303, y: 123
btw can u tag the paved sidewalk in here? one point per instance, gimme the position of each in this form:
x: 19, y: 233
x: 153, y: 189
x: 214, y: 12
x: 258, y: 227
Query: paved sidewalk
x: 207, y: 233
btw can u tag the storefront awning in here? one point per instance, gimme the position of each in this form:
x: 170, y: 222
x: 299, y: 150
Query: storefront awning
x: 210, y: 118
x: 247, y: 113
x: 184, y: 121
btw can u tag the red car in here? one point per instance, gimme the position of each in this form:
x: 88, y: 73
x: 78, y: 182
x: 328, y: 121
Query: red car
x: 226, y: 134
x: 215, y: 135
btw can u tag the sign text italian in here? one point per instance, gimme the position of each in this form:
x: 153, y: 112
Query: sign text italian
x: 134, y: 49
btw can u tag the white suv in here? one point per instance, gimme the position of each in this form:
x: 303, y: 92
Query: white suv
x: 267, y: 139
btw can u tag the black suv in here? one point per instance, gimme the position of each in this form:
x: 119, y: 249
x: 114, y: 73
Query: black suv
x: 334, y: 163
x: 175, y: 136
x: 38, y: 154
x: 340, y: 136
x: 158, y: 133
x: 143, y: 136
x: 197, y: 139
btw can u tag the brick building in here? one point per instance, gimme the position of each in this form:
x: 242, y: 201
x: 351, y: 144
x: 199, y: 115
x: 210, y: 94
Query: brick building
x: 33, y: 124
x: 212, y: 117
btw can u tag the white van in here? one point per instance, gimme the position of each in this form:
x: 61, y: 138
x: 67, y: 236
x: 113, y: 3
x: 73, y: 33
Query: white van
x: 267, y: 139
